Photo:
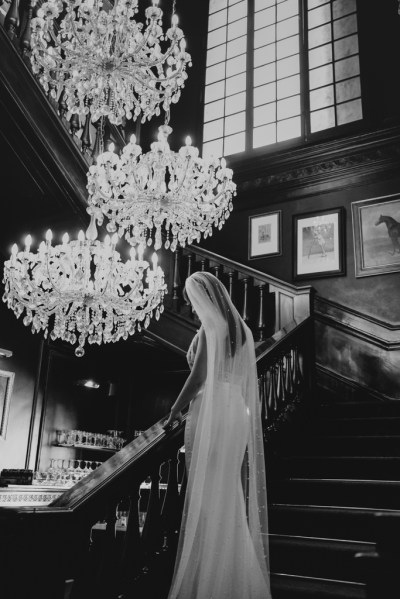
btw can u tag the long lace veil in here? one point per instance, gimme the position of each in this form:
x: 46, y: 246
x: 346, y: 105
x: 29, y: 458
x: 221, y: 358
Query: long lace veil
x: 231, y: 390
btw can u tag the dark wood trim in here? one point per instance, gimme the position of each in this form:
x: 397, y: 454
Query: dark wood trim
x: 368, y: 328
x: 345, y: 388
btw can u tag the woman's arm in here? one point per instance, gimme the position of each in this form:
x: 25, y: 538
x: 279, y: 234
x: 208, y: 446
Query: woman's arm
x: 194, y: 382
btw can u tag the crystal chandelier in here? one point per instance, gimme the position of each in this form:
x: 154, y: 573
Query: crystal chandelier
x: 105, y: 61
x: 142, y: 194
x: 81, y: 290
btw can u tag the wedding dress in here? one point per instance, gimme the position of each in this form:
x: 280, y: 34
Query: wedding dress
x: 223, y: 544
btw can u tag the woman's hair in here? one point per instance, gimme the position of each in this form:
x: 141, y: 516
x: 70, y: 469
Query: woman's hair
x: 217, y: 294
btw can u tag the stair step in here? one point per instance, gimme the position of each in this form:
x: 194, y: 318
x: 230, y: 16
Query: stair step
x: 335, y: 522
x: 317, y: 557
x: 303, y: 587
x: 348, y: 445
x: 354, y: 467
x: 358, y: 409
x: 374, y: 425
x: 377, y: 494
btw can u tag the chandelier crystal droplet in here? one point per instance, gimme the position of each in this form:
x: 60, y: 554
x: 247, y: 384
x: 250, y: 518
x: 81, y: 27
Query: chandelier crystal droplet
x: 142, y: 194
x: 81, y: 291
x: 105, y: 61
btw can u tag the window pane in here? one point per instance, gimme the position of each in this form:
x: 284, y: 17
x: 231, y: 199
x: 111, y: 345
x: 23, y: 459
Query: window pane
x: 235, y: 123
x: 343, y: 7
x: 237, y: 29
x: 320, y: 56
x: 213, y: 148
x: 236, y: 47
x: 288, y: 46
x: 216, y: 37
x: 217, y: 5
x: 322, y: 76
x: 319, y: 36
x: 237, y: 11
x: 288, y: 66
x: 213, y: 130
x: 234, y: 144
x: 288, y: 107
x: 236, y: 65
x: 287, y: 28
x: 349, y: 112
x: 346, y: 46
x: 288, y: 87
x: 264, y: 18
x: 319, y: 16
x: 213, y: 110
x: 314, y: 3
x: 264, y: 94
x: 235, y: 103
x: 215, y: 73
x: 261, y: 4
x: 264, y: 55
x: 214, y: 91
x: 264, y: 114
x: 288, y: 129
x: 322, y: 97
x: 345, y: 26
x: 264, y: 136
x: 264, y: 74
x: 235, y: 84
x: 322, y: 119
x: 216, y: 55
x: 264, y: 36
x: 287, y: 9
x: 346, y: 90
x: 347, y: 68
x: 217, y: 20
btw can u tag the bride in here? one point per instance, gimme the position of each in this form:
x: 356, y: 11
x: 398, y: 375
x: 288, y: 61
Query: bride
x: 223, y: 544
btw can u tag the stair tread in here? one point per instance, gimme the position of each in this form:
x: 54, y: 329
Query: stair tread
x: 321, y: 542
x: 341, y: 508
x: 320, y: 588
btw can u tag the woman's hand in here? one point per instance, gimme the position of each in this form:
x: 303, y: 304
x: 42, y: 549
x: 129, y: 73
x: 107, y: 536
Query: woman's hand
x: 171, y: 419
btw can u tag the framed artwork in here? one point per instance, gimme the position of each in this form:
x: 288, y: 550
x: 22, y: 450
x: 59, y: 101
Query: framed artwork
x: 319, y: 244
x: 265, y: 235
x: 376, y: 234
x: 6, y: 385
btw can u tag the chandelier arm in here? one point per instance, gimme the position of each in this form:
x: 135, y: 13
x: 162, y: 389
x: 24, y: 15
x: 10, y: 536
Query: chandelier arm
x: 180, y: 184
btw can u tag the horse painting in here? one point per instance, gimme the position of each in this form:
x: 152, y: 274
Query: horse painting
x: 393, y: 229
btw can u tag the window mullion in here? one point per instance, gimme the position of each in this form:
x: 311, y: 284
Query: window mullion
x: 250, y: 76
x: 304, y: 72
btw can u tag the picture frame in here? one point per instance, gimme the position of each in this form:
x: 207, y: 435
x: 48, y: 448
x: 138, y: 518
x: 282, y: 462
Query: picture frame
x: 265, y: 235
x: 318, y: 243
x: 6, y: 387
x: 376, y: 235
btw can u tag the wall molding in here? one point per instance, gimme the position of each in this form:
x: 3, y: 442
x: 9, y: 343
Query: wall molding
x: 348, y: 389
x: 363, y: 326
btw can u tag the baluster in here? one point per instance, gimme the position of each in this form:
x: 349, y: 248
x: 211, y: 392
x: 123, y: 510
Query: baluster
x: 297, y: 373
x: 203, y: 262
x: 261, y: 316
x: 288, y: 374
x: 62, y: 103
x: 152, y: 534
x: 87, y: 566
x: 86, y: 138
x: 176, y: 285
x: 272, y: 392
x: 170, y: 510
x: 98, y: 143
x: 11, y: 21
x: 262, y: 386
x: 189, y: 265
x: 217, y: 270
x: 132, y: 550
x: 281, y: 383
x: 245, y: 310
x: 25, y: 39
x: 74, y: 123
x: 230, y: 283
x: 52, y: 93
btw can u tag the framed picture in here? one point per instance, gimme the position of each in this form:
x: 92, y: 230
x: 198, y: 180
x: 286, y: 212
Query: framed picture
x: 376, y: 234
x: 6, y: 385
x: 319, y: 244
x: 265, y: 235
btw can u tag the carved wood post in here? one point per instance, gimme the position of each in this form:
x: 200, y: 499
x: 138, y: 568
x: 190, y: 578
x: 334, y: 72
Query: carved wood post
x: 176, y: 285
x: 245, y: 309
x: 25, y: 38
x: 62, y: 103
x: 231, y: 274
x: 217, y: 270
x: 74, y: 124
x: 261, y: 316
x: 98, y: 143
x: 11, y: 21
x: 281, y: 383
x: 203, y: 264
x: 86, y: 139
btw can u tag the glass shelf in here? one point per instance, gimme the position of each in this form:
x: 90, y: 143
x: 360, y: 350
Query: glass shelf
x: 84, y: 446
